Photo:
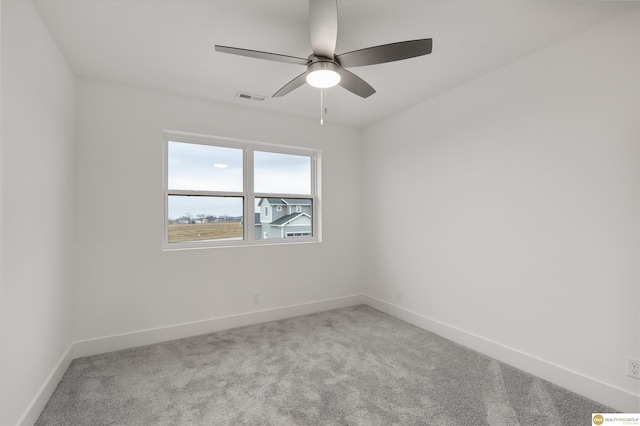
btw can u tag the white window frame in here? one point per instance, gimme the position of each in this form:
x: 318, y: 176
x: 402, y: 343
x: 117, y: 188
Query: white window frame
x: 247, y: 193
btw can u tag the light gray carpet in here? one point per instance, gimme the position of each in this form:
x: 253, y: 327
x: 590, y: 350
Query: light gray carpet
x: 352, y: 366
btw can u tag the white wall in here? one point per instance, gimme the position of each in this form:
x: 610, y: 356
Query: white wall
x: 36, y: 212
x: 522, y: 230
x: 518, y: 231
x: 126, y: 283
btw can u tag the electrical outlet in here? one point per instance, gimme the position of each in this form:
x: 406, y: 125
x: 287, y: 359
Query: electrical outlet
x: 256, y: 297
x: 633, y: 368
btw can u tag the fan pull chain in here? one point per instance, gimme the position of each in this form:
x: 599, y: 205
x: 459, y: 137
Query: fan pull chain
x: 322, y: 107
x: 324, y: 110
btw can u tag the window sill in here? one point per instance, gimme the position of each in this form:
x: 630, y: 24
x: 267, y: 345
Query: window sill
x: 230, y: 244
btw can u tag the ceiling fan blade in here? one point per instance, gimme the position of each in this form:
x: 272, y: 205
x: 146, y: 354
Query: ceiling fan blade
x: 323, y: 27
x: 386, y: 53
x: 262, y: 55
x: 292, y: 85
x: 355, y: 84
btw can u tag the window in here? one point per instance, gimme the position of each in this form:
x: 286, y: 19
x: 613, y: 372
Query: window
x: 226, y: 192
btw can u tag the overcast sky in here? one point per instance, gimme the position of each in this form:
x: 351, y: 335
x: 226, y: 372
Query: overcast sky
x: 212, y: 168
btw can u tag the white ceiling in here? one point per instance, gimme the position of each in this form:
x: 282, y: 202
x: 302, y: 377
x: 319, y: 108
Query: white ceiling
x: 169, y: 45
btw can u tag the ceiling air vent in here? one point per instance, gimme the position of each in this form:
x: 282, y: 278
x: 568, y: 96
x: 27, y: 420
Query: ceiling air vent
x: 244, y: 95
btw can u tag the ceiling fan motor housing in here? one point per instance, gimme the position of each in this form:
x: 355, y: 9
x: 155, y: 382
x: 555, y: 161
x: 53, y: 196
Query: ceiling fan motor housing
x: 320, y: 62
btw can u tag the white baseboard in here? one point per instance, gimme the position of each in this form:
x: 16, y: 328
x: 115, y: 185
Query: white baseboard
x: 589, y: 387
x: 147, y: 337
x: 34, y: 409
x: 586, y: 386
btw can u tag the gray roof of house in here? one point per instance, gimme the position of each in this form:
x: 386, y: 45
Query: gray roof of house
x: 277, y: 201
x: 297, y: 201
x: 287, y: 218
x: 289, y: 201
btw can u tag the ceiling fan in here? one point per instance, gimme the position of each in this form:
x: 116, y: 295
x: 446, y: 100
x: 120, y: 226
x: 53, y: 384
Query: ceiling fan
x: 325, y: 68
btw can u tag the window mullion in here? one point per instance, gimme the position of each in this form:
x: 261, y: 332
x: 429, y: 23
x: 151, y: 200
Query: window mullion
x: 249, y: 197
x: 204, y: 193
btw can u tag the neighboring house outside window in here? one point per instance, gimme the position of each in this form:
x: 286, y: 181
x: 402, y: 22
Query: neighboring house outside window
x: 292, y: 221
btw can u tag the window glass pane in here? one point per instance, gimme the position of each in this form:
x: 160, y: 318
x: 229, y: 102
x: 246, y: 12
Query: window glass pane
x: 282, y: 173
x: 204, y: 168
x: 200, y: 218
x: 292, y: 220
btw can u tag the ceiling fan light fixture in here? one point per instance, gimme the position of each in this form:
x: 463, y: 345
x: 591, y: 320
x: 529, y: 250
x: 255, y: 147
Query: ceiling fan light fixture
x: 323, y: 74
